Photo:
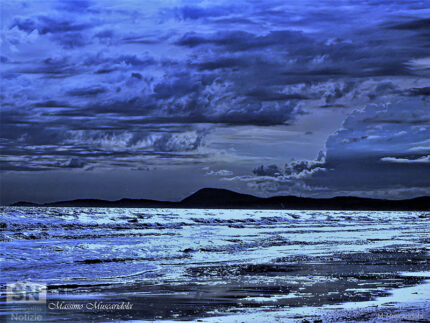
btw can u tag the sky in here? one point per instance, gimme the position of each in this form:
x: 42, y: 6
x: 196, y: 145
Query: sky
x: 157, y: 99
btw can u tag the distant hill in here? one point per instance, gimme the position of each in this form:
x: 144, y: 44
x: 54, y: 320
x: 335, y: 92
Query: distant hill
x: 225, y: 199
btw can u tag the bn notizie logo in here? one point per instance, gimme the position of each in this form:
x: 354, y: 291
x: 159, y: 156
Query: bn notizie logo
x: 26, y: 293
x: 26, y: 302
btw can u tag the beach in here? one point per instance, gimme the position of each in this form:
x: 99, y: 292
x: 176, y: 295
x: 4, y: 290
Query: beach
x: 208, y: 265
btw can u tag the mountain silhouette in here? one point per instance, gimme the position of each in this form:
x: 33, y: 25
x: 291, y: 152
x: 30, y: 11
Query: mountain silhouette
x: 226, y: 199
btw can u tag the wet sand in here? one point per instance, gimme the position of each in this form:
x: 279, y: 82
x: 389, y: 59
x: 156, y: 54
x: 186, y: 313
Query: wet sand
x: 290, y: 286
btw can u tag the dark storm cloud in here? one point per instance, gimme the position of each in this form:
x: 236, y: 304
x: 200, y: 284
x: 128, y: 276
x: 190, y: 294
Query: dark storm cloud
x: 418, y: 24
x: 94, y: 79
x: 271, y: 170
x: 389, y: 153
x: 419, y: 91
x: 51, y: 104
x: 144, y: 39
x: 217, y: 63
x: 104, y: 34
x: 295, y: 173
x: 133, y: 60
x: 45, y: 25
x: 70, y: 40
x: 197, y: 12
x: 106, y: 70
x: 301, y: 59
x: 127, y: 60
x: 86, y: 91
x: 49, y: 68
x: 136, y: 75
x: 244, y: 41
x: 178, y: 86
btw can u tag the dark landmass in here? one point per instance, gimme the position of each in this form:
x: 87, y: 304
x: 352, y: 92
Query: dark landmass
x: 224, y: 199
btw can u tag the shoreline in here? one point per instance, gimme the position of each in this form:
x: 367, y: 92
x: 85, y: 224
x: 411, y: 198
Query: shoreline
x: 220, y: 265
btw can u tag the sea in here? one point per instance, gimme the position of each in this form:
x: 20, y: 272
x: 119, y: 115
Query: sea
x: 210, y: 265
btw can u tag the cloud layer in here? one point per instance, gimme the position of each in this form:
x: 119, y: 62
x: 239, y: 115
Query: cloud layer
x: 381, y: 150
x: 105, y: 85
